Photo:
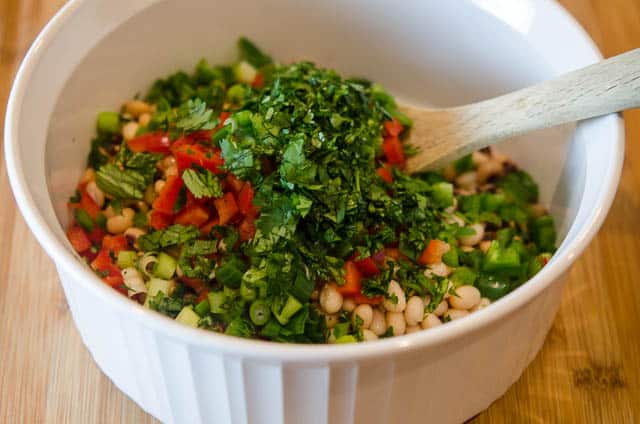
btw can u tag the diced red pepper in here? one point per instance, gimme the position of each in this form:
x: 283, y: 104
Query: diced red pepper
x: 362, y: 299
x: 247, y: 229
x: 203, y: 295
x: 385, y: 174
x: 392, y: 252
x: 151, y: 142
x: 78, y: 239
x: 227, y: 208
x: 96, y: 235
x: 245, y: 199
x: 433, y: 252
x: 159, y: 220
x: 196, y: 284
x: 188, y: 155
x: 258, y: 81
x: 393, y: 150
x: 193, y: 215
x: 206, y: 228
x: 393, y: 127
x: 166, y: 200
x: 352, y: 278
x: 86, y: 203
x: 367, y: 267
x: 200, y: 135
x: 235, y: 184
x: 115, y: 243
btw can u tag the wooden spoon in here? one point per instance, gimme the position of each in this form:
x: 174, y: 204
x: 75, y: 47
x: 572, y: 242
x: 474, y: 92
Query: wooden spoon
x: 442, y: 135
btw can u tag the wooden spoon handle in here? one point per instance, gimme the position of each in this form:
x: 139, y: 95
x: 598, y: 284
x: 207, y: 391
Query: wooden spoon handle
x: 605, y: 87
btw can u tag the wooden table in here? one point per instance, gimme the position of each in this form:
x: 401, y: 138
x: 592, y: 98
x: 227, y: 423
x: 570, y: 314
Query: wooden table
x: 587, y: 372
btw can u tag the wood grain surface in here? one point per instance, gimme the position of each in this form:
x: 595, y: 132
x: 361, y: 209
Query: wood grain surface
x: 587, y: 372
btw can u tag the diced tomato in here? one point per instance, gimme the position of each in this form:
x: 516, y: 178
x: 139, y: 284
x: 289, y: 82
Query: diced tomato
x: 206, y: 228
x: 115, y: 243
x: 367, y: 267
x: 258, y: 81
x: 151, y: 142
x: 117, y: 282
x: 362, y: 299
x: 227, y: 208
x: 433, y: 252
x: 159, y: 220
x: 245, y: 199
x: 200, y: 135
x: 352, y: 278
x: 166, y: 200
x: 393, y: 150
x: 188, y: 155
x: 247, y: 229
x: 202, y: 296
x: 96, y: 235
x: 385, y: 174
x: 235, y: 184
x: 86, y: 203
x: 196, y: 284
x: 393, y: 127
x: 193, y: 215
x: 392, y: 252
x: 78, y: 239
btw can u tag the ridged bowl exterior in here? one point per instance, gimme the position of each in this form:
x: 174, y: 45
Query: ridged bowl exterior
x: 97, y: 53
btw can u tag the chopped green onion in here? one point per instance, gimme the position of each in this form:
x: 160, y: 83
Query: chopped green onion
x: 108, y: 123
x: 229, y: 273
x: 259, y: 312
x: 217, y: 301
x: 84, y: 220
x: 290, y: 308
x: 188, y: 316
x: 346, y: 339
x: 165, y: 267
x: 127, y: 259
x: 202, y: 308
x: 248, y: 293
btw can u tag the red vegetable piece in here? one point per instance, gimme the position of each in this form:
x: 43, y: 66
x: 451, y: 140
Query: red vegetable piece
x: 258, y: 81
x: 202, y: 296
x: 151, y: 142
x: 362, y: 299
x: 433, y: 252
x: 193, y: 215
x: 247, y: 229
x: 393, y: 127
x: 393, y: 150
x: 89, y: 205
x: 367, y: 267
x: 206, y: 228
x: 115, y: 243
x: 227, y: 208
x: 188, y: 155
x: 196, y: 284
x: 78, y: 239
x: 385, y: 174
x: 166, y: 200
x: 352, y: 278
x: 159, y: 220
x: 235, y: 184
x: 96, y: 235
x: 245, y: 199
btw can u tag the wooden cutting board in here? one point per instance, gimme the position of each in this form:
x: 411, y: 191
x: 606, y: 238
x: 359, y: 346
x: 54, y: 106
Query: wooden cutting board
x: 587, y: 372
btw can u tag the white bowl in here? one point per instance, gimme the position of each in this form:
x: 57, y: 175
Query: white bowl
x: 96, y: 53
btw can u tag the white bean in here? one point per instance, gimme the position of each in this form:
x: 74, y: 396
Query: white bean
x: 330, y: 299
x: 466, y: 297
x: 397, y: 322
x: 133, y: 233
x: 488, y: 169
x: 137, y: 107
x: 118, y: 224
x: 479, y: 158
x: 484, y: 302
x: 330, y: 320
x: 129, y: 130
x: 412, y: 329
x: 485, y: 245
x: 368, y: 335
x: 365, y: 313
x: 454, y: 314
x: 441, y: 308
x: 415, y: 311
x: 144, y: 119
x: 475, y: 238
x: 430, y: 321
x: 467, y: 180
x: 159, y: 185
x: 95, y: 193
x: 440, y: 269
x: 378, y: 322
x: 396, y: 301
x: 348, y: 304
